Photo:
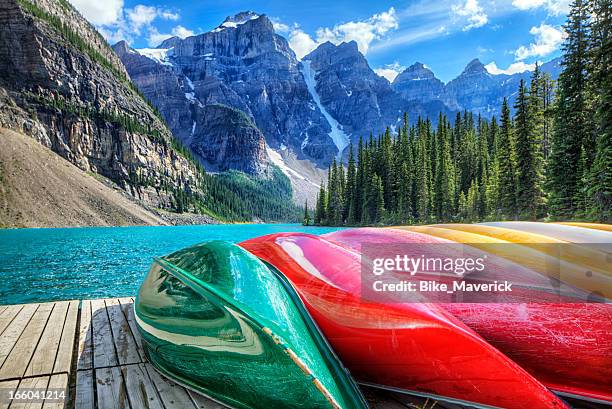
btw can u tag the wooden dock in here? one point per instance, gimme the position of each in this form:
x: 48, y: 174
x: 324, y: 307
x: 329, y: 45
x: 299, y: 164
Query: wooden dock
x: 92, y: 352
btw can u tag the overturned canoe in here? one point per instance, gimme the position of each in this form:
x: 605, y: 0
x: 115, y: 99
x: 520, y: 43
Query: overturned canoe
x: 565, y: 345
x: 216, y: 319
x: 416, y: 347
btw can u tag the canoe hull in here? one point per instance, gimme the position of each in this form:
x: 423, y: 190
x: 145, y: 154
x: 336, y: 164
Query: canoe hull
x: 198, y: 329
x: 413, y: 347
x: 566, y: 346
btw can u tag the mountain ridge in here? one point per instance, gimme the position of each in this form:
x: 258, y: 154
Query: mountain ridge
x: 328, y: 99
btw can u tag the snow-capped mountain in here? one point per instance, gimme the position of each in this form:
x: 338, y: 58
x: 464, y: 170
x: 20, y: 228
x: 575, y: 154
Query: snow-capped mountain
x: 239, y: 98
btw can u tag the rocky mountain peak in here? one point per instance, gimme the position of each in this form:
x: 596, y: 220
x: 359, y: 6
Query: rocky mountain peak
x: 345, y: 53
x: 350, y: 46
x: 242, y: 17
x: 238, y: 20
x: 170, y: 42
x: 122, y: 47
x: 416, y: 71
x: 474, y: 67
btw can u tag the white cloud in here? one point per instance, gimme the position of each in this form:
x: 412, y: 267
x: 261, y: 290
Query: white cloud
x: 114, y: 36
x: 483, y: 50
x: 390, y: 71
x: 100, y: 12
x: 528, y: 4
x: 279, y: 26
x: 554, y: 7
x: 182, y: 32
x: 513, y: 68
x: 168, y: 15
x: 362, y: 32
x: 155, y: 37
x: 547, y: 40
x: 141, y: 16
x: 117, y: 23
x: 472, y: 12
x: 301, y: 43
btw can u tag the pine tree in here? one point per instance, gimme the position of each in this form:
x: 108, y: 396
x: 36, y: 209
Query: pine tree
x: 506, y: 158
x: 600, y: 61
x: 306, y: 221
x: 378, y: 199
x: 423, y: 169
x: 528, y: 153
x: 348, y: 212
x: 580, y: 196
x: 444, y: 188
x: 571, y: 129
x: 320, y: 217
x: 492, y: 210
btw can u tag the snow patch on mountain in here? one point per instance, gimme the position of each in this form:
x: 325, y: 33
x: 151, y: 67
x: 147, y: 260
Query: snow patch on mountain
x: 159, y: 55
x: 237, y: 20
x: 337, y: 135
x: 277, y: 159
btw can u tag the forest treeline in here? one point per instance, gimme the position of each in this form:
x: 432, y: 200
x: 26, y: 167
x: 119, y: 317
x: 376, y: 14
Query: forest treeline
x: 550, y: 159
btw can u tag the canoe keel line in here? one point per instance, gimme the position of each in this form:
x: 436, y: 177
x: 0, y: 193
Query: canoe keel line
x: 280, y: 321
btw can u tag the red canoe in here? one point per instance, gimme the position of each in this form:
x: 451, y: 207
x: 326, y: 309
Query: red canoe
x: 566, y: 346
x: 416, y: 347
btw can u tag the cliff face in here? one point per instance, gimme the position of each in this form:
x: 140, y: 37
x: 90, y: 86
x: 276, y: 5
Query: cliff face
x: 241, y: 64
x: 71, y: 93
x: 357, y: 98
x: 220, y: 137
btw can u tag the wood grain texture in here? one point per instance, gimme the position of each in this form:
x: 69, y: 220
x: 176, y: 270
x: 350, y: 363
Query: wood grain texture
x: 103, y: 347
x: 16, y: 363
x: 14, y: 329
x: 84, y: 395
x: 110, y: 389
x: 140, y: 389
x: 43, y: 358
x: 125, y: 344
x: 57, y: 383
x: 85, y: 345
x: 63, y: 360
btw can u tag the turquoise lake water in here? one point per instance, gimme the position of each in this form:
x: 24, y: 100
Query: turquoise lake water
x: 93, y: 262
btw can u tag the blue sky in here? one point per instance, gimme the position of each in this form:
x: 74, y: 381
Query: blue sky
x: 507, y: 35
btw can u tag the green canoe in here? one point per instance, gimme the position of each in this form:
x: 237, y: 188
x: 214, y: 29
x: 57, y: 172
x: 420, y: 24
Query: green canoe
x: 216, y: 319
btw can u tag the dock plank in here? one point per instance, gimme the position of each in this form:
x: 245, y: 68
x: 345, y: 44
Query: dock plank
x: 44, y: 356
x: 7, y: 316
x: 127, y: 304
x: 17, y: 361
x: 63, y: 360
x: 172, y: 395
x: 84, y: 396
x: 6, y: 387
x: 111, y: 389
x: 14, y: 329
x: 39, y: 383
x: 57, y: 384
x: 85, y: 347
x: 140, y: 389
x: 125, y: 343
x: 103, y: 347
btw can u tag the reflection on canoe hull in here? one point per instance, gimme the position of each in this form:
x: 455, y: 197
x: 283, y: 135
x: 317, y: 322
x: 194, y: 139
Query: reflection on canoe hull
x: 408, y: 346
x: 566, y: 346
x: 216, y: 319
